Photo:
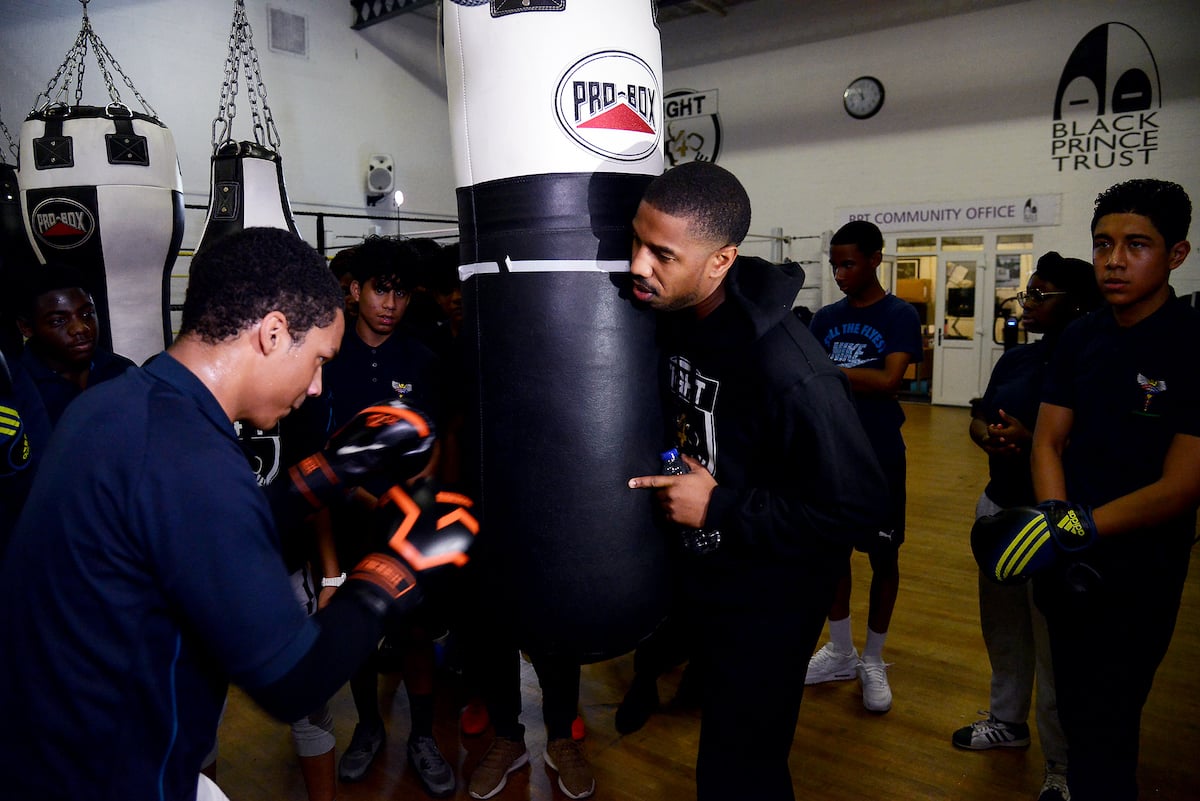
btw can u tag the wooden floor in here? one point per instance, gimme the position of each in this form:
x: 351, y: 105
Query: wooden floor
x: 939, y: 678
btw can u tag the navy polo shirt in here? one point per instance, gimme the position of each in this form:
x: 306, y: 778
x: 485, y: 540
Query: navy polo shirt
x: 57, y: 391
x: 361, y: 375
x: 1016, y: 387
x: 143, y: 575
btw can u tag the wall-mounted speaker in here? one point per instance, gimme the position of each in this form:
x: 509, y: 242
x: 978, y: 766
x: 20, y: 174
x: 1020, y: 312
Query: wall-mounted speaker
x: 381, y: 178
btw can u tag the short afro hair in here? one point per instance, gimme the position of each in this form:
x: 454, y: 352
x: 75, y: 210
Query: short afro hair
x: 246, y: 275
x: 862, y: 234
x: 1166, y: 204
x: 709, y: 197
x: 40, y: 279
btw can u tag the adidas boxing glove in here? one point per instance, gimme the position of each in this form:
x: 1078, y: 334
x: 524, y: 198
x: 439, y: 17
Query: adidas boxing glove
x: 1014, y: 544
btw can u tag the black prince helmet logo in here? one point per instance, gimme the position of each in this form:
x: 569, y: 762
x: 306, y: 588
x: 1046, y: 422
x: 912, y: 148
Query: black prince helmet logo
x: 1107, y: 99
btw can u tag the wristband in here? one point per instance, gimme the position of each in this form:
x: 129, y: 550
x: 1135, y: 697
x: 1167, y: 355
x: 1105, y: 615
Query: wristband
x: 333, y: 582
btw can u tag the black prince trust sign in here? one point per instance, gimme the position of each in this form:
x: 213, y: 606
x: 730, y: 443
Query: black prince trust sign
x: 1109, y: 95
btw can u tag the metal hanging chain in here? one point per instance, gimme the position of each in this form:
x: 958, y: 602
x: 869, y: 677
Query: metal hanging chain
x: 243, y: 56
x: 12, y: 146
x: 75, y: 65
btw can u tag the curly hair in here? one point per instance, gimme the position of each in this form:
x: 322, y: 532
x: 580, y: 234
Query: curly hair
x: 712, y: 200
x: 862, y: 234
x: 1165, y: 203
x: 393, y: 262
x: 248, y: 274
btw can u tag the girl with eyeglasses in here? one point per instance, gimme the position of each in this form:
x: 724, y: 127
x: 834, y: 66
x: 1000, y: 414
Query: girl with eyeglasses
x: 1014, y: 631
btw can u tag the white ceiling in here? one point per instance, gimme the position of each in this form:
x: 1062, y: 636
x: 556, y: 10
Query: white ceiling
x: 703, y: 31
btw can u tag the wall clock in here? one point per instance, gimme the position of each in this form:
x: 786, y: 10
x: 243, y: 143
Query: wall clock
x: 863, y: 97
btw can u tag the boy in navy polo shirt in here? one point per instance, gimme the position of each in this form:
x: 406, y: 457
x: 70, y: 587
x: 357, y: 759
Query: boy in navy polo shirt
x: 379, y: 359
x: 145, y: 572
x: 873, y: 337
x: 59, y: 322
x: 1119, y: 432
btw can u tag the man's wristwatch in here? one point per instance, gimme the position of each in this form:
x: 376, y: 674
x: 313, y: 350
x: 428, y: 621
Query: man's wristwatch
x: 333, y: 582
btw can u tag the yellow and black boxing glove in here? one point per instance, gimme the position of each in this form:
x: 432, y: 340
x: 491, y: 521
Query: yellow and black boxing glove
x: 14, y: 444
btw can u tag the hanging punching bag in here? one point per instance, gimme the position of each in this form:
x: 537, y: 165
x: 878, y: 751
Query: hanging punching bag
x: 246, y: 188
x: 556, y: 129
x: 101, y: 189
x: 16, y: 254
x: 246, y: 191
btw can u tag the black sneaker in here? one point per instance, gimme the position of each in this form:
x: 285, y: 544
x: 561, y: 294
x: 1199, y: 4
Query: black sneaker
x: 364, y: 745
x: 991, y: 733
x: 640, y: 703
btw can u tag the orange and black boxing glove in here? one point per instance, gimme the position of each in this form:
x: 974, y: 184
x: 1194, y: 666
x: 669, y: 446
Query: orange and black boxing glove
x: 420, y: 538
x: 389, y: 438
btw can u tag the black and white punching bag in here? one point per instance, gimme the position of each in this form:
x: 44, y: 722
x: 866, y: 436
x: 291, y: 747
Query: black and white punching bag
x: 556, y: 121
x: 101, y: 189
x: 14, y: 242
x: 246, y: 191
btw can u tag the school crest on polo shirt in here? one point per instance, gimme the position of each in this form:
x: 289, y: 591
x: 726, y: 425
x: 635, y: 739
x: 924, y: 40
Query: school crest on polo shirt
x: 1153, y: 395
x: 402, y: 389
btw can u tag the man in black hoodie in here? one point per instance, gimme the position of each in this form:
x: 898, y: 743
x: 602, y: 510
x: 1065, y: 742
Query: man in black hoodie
x: 778, y: 468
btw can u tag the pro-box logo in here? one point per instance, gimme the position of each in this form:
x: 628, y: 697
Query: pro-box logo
x: 608, y: 102
x: 61, y: 223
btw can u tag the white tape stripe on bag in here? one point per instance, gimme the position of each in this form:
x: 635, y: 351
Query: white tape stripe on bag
x: 544, y: 266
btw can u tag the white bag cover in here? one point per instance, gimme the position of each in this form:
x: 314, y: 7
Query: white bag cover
x: 246, y: 191
x: 101, y: 189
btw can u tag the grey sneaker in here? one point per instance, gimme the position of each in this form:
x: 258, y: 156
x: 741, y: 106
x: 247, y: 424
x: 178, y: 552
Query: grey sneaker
x: 830, y: 664
x: 991, y: 733
x: 575, y: 779
x: 364, y: 745
x: 877, y: 693
x: 1055, y: 788
x: 491, y: 774
x: 432, y: 769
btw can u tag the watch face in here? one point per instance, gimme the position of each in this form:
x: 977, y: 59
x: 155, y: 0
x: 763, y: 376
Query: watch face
x: 863, y: 97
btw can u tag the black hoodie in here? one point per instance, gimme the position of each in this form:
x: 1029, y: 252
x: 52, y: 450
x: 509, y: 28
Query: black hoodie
x: 752, y: 395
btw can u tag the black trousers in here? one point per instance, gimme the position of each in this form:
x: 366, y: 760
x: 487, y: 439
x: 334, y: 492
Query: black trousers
x: 755, y: 624
x: 1109, y: 627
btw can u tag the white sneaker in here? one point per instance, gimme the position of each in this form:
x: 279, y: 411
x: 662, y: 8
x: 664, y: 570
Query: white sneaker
x: 830, y: 664
x: 877, y: 695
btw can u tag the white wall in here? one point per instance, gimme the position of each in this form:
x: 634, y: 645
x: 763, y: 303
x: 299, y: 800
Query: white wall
x: 968, y: 111
x: 333, y: 109
x: 968, y: 115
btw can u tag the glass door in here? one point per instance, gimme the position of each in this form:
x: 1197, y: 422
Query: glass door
x: 958, y: 345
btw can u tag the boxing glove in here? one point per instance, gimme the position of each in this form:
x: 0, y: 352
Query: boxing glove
x: 389, y: 438
x: 420, y: 538
x: 14, y: 445
x: 1014, y: 544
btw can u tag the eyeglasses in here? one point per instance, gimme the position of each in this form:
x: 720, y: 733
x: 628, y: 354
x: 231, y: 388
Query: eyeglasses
x: 1036, y: 296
